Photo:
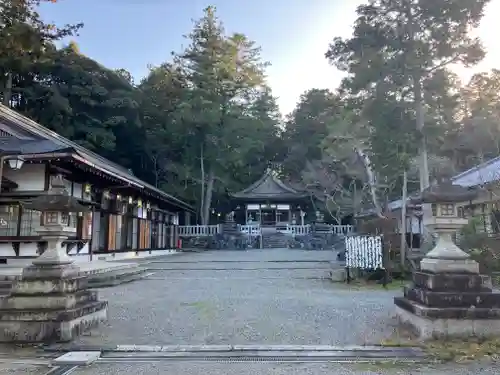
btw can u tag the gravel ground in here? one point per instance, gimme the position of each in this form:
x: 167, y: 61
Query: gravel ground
x: 206, y: 298
x: 9, y: 368
x: 278, y: 369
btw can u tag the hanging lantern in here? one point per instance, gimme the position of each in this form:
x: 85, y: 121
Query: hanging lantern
x: 87, y: 188
x: 118, y: 197
x: 148, y: 206
x: 130, y: 200
x: 139, y: 202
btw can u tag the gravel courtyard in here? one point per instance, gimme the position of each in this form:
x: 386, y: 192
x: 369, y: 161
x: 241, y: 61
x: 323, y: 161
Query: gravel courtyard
x: 272, y: 296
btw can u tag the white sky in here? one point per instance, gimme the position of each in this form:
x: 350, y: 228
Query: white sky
x: 308, y: 68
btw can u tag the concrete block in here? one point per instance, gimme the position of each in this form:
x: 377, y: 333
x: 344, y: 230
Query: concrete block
x: 77, y: 358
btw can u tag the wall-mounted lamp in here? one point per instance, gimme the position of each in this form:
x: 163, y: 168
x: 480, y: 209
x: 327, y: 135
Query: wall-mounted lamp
x: 16, y: 162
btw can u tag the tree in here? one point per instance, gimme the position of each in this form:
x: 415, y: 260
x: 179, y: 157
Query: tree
x: 24, y: 38
x: 306, y: 128
x: 477, y: 138
x: 223, y: 72
x: 402, y: 44
x: 79, y: 99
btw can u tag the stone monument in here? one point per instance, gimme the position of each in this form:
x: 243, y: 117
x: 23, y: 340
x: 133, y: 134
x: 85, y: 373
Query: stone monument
x: 50, y: 302
x: 448, y: 297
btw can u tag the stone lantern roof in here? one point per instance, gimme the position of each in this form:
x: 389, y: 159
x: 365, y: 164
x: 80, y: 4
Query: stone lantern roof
x: 56, y: 199
x: 445, y: 192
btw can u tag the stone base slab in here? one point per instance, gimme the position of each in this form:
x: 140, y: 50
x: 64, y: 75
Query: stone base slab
x: 427, y: 329
x: 77, y: 358
x: 427, y: 312
x: 31, y: 329
x: 50, y: 271
x: 53, y: 301
x: 484, y: 299
x: 449, y: 265
x: 446, y: 282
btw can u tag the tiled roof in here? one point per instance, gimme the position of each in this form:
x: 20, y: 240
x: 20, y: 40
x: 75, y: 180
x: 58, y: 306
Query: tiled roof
x: 481, y: 174
x: 52, y: 142
x: 267, y: 187
x: 29, y: 146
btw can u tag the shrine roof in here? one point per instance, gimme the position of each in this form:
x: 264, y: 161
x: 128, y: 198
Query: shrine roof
x: 269, y: 187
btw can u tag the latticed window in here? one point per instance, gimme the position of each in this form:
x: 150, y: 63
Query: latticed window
x: 447, y: 210
x: 51, y: 217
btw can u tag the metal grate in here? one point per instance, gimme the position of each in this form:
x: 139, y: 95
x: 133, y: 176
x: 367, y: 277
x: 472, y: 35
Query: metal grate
x: 276, y: 359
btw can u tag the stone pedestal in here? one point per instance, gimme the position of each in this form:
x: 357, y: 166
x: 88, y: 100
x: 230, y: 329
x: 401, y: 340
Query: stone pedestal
x: 445, y: 305
x: 51, y: 301
x: 448, y: 297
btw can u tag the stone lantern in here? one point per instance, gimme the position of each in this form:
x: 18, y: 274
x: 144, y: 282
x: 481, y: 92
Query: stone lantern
x: 51, y: 300
x: 448, y: 297
x: 446, y: 256
x: 56, y: 208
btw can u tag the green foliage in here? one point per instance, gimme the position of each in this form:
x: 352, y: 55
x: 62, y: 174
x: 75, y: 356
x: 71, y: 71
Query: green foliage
x: 205, y: 121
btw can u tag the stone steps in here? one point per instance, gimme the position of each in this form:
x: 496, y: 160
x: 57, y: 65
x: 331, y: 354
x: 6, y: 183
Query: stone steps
x: 117, y: 276
x: 100, y: 274
x: 274, y: 241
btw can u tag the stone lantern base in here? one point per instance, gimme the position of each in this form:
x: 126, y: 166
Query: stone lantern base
x: 49, y: 303
x: 447, y: 305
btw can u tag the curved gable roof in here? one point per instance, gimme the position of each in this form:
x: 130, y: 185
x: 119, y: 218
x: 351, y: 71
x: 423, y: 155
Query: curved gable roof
x: 267, y: 187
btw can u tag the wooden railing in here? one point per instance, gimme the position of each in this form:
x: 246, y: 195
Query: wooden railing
x: 250, y: 229
x: 298, y: 230
x: 198, y: 230
x: 301, y: 230
x: 342, y: 229
x: 255, y: 230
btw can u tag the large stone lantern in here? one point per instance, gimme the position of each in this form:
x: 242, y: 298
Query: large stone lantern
x: 448, y: 296
x: 51, y: 300
x: 445, y: 221
x: 56, y: 208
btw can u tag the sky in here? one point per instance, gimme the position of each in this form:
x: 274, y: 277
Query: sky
x: 294, y: 35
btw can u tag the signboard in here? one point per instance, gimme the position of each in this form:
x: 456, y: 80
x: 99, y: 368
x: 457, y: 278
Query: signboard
x: 364, y: 252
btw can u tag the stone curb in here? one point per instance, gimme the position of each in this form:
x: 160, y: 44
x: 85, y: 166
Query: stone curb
x: 232, y: 348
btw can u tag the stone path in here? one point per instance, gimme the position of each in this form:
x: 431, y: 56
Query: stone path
x: 276, y: 296
x: 280, y: 369
x: 265, y: 297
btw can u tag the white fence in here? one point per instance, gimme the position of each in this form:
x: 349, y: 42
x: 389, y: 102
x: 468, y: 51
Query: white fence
x: 198, y: 230
x: 300, y: 230
x: 255, y: 230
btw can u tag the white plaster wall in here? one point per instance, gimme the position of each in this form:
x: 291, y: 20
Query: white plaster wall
x: 28, y: 249
x: 29, y: 177
x: 6, y: 250
x: 83, y: 251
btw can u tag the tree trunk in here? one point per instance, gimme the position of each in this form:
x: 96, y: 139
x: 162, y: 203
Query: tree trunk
x: 423, y: 166
x: 208, y: 197
x: 7, y: 92
x: 371, y: 180
x: 155, y: 166
x: 403, y: 219
x: 202, y: 169
x: 420, y: 113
